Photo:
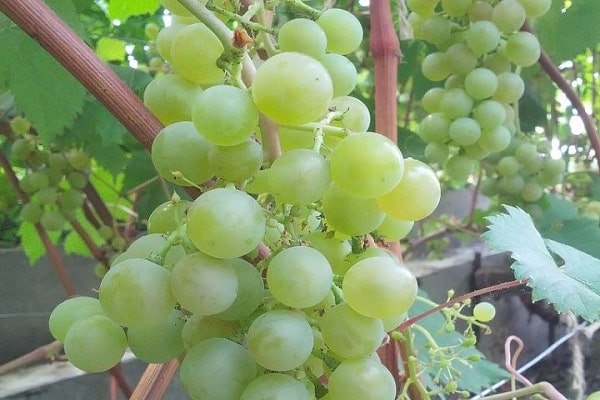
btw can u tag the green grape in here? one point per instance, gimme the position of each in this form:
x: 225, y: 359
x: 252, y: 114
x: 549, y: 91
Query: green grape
x: 476, y: 151
x: 456, y: 103
x: 77, y: 180
x: 464, y: 131
x: 508, y: 15
x: 204, y: 285
x: 356, y: 114
x: 158, y: 343
x: 225, y: 115
x: 488, y: 186
x: 280, y: 340
x: 236, y: 163
x: 55, y: 177
x: 292, y: 101
x: 276, y: 387
x: 78, y: 159
x: 482, y: 37
x: 435, y: 67
x: 343, y: 30
x: 522, y: 48
x: 199, y: 327
x: 250, y: 292
x: 480, y: 10
x: 226, y: 223
x: 304, y: 220
x: 164, y: 40
x: 431, y: 99
x: 394, y: 229
x: 366, y: 165
x: 526, y: 152
x: 299, y: 177
x: 435, y: 29
x: 217, y: 369
x: 156, y: 63
x: 151, y: 30
x: 416, y: 196
x: 484, y: 311
x: 176, y: 7
x: 454, y: 81
x: 299, y: 277
x: 422, y: 7
x: 167, y: 216
x: 39, y: 180
x: 512, y: 184
x: 481, y: 83
x: 95, y: 343
x: 194, y: 53
x: 304, y: 36
x: 532, y: 192
x: 70, y: 199
x: 391, y: 323
x: 379, y: 287
x: 548, y: 178
x: 510, y: 88
x: 349, y: 214
x: 170, y: 98
x: 434, y: 128
x: 459, y: 167
x: 52, y: 221
x: 342, y: 71
x: 23, y: 148
x: 58, y: 162
x: 460, y: 59
x: 47, y: 195
x: 495, y: 140
x: 20, y: 125
x: 136, y: 292
x: 180, y: 148
x: 436, y: 152
x: 362, y: 378
x: 32, y: 213
x: 334, y: 249
x: 259, y: 183
x: 497, y: 62
x: 350, y: 334
x: 369, y: 252
x: 456, y: 8
x: 146, y: 245
x: 554, y: 166
x: 536, y: 8
x: 273, y: 234
x: 489, y: 114
x: 65, y: 314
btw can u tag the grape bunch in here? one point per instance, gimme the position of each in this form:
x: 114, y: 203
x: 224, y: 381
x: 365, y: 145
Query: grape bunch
x: 263, y: 285
x: 479, y: 53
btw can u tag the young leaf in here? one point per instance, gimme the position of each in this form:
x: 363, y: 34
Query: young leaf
x: 566, y: 277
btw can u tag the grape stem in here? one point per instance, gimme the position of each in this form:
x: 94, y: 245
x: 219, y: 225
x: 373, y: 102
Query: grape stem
x: 47, y: 351
x: 155, y: 381
x: 244, y: 20
x: 540, y: 387
x: 302, y: 7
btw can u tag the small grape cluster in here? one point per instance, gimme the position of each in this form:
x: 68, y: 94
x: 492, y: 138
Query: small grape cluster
x: 479, y: 53
x: 53, y: 179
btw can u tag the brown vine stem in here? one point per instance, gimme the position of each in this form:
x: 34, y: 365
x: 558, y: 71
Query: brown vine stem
x: 45, y: 27
x: 47, y: 351
x: 99, y: 206
x: 98, y: 253
x: 155, y: 381
x: 555, y: 75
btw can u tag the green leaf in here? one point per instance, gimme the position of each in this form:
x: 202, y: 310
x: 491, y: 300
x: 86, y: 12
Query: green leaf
x: 123, y: 9
x: 571, y: 284
x: 32, y: 244
x: 110, y: 49
x: 48, y: 95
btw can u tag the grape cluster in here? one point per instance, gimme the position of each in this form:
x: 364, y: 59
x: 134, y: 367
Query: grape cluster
x: 479, y: 53
x: 53, y: 179
x: 263, y: 280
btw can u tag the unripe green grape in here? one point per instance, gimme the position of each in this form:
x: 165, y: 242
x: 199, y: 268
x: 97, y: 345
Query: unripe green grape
x: 179, y: 147
x: 431, y: 99
x: 225, y: 115
x: 52, y: 221
x: 156, y: 63
x: 145, y: 246
x: 434, y: 67
x: 523, y: 49
x: 217, y: 368
x: 482, y: 37
x: 394, y: 229
x: 496, y: 139
x: 290, y: 139
x: 292, y: 101
x: 304, y: 36
x: 47, y: 195
x: 484, y: 311
x: 342, y: 71
x: 526, y: 152
x: 20, y: 125
x: 151, y: 30
x: 362, y: 378
x: 508, y: 15
x: 456, y: 8
x: 77, y: 180
x: 356, y: 118
x: 350, y: 334
x: 136, y: 292
x: 459, y: 167
x: 460, y: 59
x: 422, y: 7
x: 201, y: 327
x: 497, y: 62
x: 391, y: 323
x: 532, y: 192
x: 78, y: 159
x: 236, y: 163
x: 436, y: 29
x: 454, y: 81
x: 22, y: 148
x: 95, y: 343
x: 167, y: 216
x: 476, y: 152
x: 512, y: 184
x: 226, y: 223
x: 71, y: 199
x: 170, y: 98
x: 417, y: 194
x: 32, y: 213
x: 456, y: 103
x: 106, y: 232
x: 250, y: 292
x: 276, y: 386
x: 160, y: 342
x: 488, y: 187
x: 434, y: 128
x: 554, y: 165
x: 533, y: 164
x: 194, y: 54
x: 510, y: 88
x: 299, y: 177
x: 415, y: 20
x: 299, y: 264
x: 481, y: 83
x: 65, y: 314
x: 334, y: 249
x: 164, y: 40
x: 343, y: 30
x: 437, y: 152
x: 39, y: 179
x: 490, y: 114
x: 536, y: 8
x: 480, y: 10
x: 259, y: 183
x: 465, y: 131
x: 58, y: 162
x: 366, y: 165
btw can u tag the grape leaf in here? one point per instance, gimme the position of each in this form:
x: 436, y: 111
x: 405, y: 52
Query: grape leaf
x: 123, y: 9
x: 110, y: 49
x: 566, y: 277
